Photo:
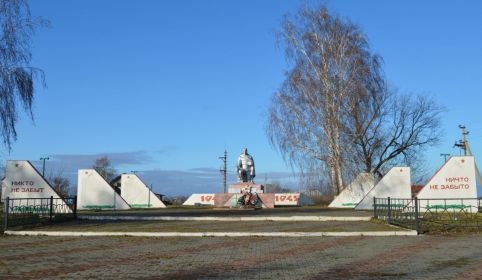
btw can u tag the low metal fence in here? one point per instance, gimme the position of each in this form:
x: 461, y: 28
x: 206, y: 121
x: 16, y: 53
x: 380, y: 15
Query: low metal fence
x: 28, y: 211
x: 424, y: 215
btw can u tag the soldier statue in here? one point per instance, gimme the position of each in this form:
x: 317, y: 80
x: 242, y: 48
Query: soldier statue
x: 245, y: 167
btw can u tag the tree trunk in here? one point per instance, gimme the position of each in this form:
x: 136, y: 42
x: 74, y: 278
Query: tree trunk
x: 333, y: 175
x: 339, y: 180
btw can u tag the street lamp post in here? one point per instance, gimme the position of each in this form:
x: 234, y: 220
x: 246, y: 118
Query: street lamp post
x: 43, y: 165
x: 445, y: 156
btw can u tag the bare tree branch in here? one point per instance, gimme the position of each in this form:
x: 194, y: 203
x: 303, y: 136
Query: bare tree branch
x: 16, y: 75
x: 335, y: 111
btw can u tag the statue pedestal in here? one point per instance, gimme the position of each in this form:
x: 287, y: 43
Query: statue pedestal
x: 230, y: 199
x: 236, y: 188
x: 267, y: 200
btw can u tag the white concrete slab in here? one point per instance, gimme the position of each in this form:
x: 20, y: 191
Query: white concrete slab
x: 93, y: 192
x: 281, y: 199
x: 453, y: 187
x: 354, y: 192
x: 286, y: 199
x: 395, y: 184
x: 22, y: 180
x: 137, y: 194
x: 200, y: 199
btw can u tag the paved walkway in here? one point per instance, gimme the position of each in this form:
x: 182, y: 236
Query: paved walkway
x: 421, y: 257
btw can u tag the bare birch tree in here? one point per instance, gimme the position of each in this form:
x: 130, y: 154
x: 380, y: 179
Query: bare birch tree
x: 16, y: 75
x: 331, y: 60
x: 334, y: 110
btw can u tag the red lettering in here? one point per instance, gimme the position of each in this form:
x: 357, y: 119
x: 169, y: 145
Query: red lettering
x: 22, y: 183
x: 457, y: 180
x: 455, y: 187
x: 207, y: 198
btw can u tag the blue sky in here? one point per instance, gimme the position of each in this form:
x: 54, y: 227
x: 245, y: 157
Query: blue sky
x: 165, y: 86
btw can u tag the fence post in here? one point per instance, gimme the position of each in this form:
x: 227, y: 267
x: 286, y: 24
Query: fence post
x: 75, y: 207
x: 389, y: 212
x: 51, y: 208
x: 417, y: 219
x: 375, y: 214
x: 5, y: 213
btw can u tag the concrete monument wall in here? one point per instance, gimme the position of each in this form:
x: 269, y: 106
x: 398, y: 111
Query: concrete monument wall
x: 269, y: 200
x: 396, y: 184
x: 137, y: 194
x: 93, y: 192
x: 455, y: 179
x: 22, y: 180
x: 201, y: 199
x: 354, y: 192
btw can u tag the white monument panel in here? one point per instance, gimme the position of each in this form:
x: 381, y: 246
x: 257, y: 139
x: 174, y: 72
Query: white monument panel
x: 395, y: 184
x: 22, y: 180
x: 93, y: 192
x: 200, y: 199
x: 354, y: 192
x: 137, y: 194
x: 455, y: 179
x: 286, y: 199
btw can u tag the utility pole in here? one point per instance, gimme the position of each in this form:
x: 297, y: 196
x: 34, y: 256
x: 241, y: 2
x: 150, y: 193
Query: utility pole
x: 43, y: 166
x: 462, y: 144
x: 224, y: 169
x: 446, y: 156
